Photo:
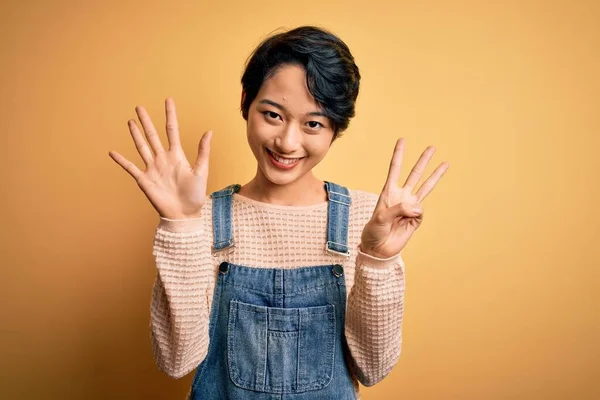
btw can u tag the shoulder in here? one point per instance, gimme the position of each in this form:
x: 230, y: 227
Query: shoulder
x: 363, y: 198
x: 361, y: 210
x: 363, y: 201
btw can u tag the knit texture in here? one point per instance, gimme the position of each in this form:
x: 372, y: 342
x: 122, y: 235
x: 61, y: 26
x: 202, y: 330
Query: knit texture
x: 273, y: 236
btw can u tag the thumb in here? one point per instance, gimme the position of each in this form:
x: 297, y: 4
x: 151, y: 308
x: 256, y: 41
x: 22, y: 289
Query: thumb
x: 201, y: 165
x: 403, y: 210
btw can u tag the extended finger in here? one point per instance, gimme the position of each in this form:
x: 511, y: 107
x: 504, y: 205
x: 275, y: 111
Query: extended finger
x: 126, y: 164
x: 417, y: 170
x: 140, y: 143
x: 395, y: 163
x: 201, y: 164
x: 430, y: 183
x: 172, y: 124
x: 149, y: 130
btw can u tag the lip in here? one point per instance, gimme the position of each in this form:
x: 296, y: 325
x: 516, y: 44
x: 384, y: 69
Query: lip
x: 280, y: 165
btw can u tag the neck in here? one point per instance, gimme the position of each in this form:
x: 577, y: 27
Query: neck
x: 306, y: 190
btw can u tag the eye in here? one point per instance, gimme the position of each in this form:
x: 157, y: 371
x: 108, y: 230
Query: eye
x: 271, y: 115
x: 315, y: 124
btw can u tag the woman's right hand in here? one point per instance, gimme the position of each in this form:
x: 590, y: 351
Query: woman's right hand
x: 176, y: 189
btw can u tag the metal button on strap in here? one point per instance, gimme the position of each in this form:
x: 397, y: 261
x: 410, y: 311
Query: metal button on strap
x: 224, y: 268
x: 338, y: 270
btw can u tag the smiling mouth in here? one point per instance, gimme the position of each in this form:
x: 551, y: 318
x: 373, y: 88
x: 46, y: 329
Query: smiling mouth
x: 282, y: 162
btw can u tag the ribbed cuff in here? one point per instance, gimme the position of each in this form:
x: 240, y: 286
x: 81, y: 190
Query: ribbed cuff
x: 181, y: 225
x: 376, y: 262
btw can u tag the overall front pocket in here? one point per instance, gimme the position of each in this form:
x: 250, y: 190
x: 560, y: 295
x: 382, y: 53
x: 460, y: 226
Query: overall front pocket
x: 280, y: 350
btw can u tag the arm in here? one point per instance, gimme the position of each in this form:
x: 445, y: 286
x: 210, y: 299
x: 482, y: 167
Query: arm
x: 376, y: 303
x: 374, y: 316
x: 179, y: 314
x: 177, y: 190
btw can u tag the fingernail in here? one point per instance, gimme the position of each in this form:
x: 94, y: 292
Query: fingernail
x: 417, y: 210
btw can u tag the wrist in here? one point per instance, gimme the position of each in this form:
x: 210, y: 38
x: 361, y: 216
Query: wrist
x: 180, y: 217
x: 371, y: 252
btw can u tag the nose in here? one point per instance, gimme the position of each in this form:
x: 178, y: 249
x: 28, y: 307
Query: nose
x: 289, y: 139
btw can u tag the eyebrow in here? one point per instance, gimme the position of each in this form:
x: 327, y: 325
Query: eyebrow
x: 282, y: 108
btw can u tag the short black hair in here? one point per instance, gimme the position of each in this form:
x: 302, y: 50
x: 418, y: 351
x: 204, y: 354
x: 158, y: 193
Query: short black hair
x: 332, y: 77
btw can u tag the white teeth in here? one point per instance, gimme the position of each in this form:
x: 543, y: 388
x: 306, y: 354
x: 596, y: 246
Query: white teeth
x: 286, y: 161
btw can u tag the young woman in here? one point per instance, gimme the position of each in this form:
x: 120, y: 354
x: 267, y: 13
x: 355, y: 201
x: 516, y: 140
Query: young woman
x: 286, y: 287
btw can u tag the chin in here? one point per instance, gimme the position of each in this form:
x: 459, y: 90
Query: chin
x: 281, y: 179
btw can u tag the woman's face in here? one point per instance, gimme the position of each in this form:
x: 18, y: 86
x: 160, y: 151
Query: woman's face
x: 287, y: 130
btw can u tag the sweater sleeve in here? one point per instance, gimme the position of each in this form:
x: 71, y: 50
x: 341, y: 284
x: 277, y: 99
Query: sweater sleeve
x: 179, y: 314
x: 374, y: 316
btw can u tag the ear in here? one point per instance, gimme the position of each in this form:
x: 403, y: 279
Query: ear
x: 243, y: 98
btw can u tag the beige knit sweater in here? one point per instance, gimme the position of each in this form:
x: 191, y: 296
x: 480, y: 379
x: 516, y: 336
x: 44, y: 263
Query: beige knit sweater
x: 273, y: 236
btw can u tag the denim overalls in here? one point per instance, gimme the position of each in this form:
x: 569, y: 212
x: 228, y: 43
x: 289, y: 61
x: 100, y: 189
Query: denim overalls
x: 277, y: 333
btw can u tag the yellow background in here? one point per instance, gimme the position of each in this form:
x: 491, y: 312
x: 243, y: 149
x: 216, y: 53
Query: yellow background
x: 503, y: 282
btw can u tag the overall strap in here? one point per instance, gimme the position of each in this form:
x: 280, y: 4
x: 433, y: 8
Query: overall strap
x: 222, y: 217
x: 338, y: 215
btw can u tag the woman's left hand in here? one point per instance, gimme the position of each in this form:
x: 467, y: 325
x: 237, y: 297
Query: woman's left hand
x: 399, y: 212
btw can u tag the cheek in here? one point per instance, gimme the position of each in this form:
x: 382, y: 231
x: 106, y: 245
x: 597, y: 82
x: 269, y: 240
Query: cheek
x: 318, y: 148
x: 258, y: 128
x: 251, y: 124
x: 253, y: 131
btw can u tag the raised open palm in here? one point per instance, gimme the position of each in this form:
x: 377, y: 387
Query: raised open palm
x: 399, y: 212
x: 176, y: 189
